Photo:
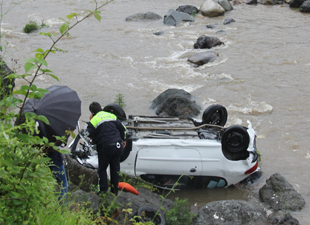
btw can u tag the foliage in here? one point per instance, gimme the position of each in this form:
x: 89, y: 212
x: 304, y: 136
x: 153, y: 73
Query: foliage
x: 194, y: 14
x: 259, y: 155
x: 179, y: 214
x: 164, y: 197
x: 119, y: 99
x: 60, y: 214
x: 27, y: 187
x: 30, y: 27
x: 28, y: 190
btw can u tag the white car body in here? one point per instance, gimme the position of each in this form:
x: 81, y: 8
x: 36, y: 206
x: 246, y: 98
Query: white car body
x: 164, y: 149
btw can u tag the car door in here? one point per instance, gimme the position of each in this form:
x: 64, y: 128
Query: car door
x: 172, y: 160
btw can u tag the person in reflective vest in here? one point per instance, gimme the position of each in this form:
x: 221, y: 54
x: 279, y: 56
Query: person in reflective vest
x: 109, y: 135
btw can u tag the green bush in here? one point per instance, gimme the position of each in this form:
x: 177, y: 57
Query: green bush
x: 30, y: 27
x: 28, y: 190
x: 119, y: 99
x: 180, y: 213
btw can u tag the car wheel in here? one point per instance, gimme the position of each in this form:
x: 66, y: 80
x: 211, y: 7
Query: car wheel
x: 116, y: 110
x: 215, y: 114
x: 147, y: 213
x: 127, y: 150
x: 235, y: 139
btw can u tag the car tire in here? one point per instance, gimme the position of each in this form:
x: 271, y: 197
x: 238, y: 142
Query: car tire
x: 147, y: 213
x: 235, y: 141
x: 215, y: 114
x: 127, y: 150
x: 116, y: 110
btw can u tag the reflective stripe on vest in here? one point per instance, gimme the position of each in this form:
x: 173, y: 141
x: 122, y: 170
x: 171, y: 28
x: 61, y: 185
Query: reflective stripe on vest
x: 102, y: 117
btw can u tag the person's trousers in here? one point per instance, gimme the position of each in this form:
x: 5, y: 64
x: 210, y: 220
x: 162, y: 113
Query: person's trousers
x: 109, y: 154
x: 61, y: 177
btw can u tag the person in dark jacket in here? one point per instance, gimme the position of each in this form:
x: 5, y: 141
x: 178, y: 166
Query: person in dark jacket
x: 109, y: 135
x: 56, y: 164
x: 6, y: 85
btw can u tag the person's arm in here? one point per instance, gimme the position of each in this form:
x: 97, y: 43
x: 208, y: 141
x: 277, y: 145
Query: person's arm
x: 122, y: 130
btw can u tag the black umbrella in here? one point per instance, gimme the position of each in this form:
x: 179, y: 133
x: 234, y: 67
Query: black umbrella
x: 62, y: 108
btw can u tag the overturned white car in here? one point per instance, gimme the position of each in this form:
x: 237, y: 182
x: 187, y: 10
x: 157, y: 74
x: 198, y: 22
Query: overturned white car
x: 161, y: 149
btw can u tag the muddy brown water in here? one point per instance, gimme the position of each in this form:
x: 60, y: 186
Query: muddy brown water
x: 261, y: 75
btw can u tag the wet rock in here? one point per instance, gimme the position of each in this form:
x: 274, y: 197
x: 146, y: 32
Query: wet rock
x: 174, y: 18
x: 226, y: 5
x: 251, y: 2
x: 203, y: 58
x: 80, y: 175
x: 143, y: 17
x: 175, y: 102
x: 228, y: 21
x: 305, y: 7
x: 296, y: 3
x: 211, y: 8
x: 279, y: 217
x: 5, y: 82
x: 211, y: 26
x: 268, y: 2
x: 88, y: 199
x: 279, y: 194
x: 207, y: 42
x: 145, y: 198
x: 189, y: 9
x: 219, y: 32
x: 124, y: 200
x: 230, y: 212
x: 159, y: 33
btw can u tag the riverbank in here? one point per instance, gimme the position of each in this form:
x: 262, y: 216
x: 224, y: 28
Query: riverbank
x: 277, y: 198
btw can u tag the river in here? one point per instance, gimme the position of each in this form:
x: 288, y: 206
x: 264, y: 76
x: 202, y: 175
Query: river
x: 261, y: 75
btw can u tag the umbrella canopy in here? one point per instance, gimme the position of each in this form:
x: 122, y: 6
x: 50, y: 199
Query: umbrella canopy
x: 62, y: 108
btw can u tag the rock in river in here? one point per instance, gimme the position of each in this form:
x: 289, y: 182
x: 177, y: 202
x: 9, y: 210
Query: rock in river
x: 203, y: 58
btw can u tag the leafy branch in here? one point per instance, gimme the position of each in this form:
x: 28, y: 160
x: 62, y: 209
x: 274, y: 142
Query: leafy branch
x: 40, y: 55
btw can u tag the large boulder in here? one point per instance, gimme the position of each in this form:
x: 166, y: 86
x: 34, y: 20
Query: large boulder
x: 80, y: 175
x: 211, y: 8
x: 175, y: 102
x: 296, y: 3
x: 174, y: 18
x: 281, y: 195
x: 189, y: 9
x: 6, y: 84
x: 124, y: 200
x: 226, y: 5
x: 207, y: 42
x: 149, y: 16
x: 203, y: 58
x: 145, y: 198
x: 230, y: 212
x: 305, y: 7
